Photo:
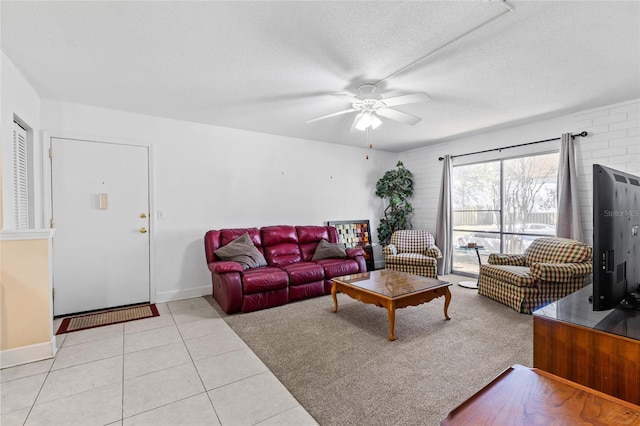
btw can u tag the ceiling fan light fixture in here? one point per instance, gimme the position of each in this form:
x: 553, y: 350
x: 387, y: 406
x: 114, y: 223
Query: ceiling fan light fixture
x: 367, y: 119
x: 375, y: 121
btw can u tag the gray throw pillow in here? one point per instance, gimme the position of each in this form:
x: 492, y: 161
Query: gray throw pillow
x: 327, y: 250
x: 243, y: 251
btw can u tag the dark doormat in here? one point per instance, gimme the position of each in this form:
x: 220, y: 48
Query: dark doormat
x: 99, y: 319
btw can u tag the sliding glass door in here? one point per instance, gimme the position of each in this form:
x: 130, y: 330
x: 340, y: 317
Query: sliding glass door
x: 500, y: 206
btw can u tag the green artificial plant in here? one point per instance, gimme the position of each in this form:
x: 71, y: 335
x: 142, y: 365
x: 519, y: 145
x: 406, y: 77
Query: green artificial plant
x: 396, y: 186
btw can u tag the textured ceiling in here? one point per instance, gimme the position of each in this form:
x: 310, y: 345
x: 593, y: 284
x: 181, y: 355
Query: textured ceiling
x: 270, y: 66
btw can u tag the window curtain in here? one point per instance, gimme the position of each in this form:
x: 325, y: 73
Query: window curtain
x: 569, y: 223
x: 444, y: 221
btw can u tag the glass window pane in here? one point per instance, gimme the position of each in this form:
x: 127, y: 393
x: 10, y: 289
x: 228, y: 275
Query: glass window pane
x: 476, y: 197
x: 476, y: 214
x: 516, y: 244
x: 465, y: 260
x: 530, y: 194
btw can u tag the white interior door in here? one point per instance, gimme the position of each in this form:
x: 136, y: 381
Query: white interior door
x: 100, y: 203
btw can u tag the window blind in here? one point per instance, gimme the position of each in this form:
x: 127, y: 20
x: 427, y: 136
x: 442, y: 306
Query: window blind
x: 20, y: 177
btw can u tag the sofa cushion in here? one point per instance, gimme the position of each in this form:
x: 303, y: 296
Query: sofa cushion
x: 312, y: 234
x: 214, y: 239
x: 280, y: 244
x: 264, y: 279
x: 415, y: 259
x: 516, y: 275
x: 338, y: 267
x: 304, y: 273
x: 557, y: 250
x: 279, y: 234
x: 282, y: 255
x: 243, y: 251
x: 307, y: 250
x: 308, y: 237
x: 327, y: 250
x: 412, y: 240
x: 228, y: 235
x: 506, y: 259
x: 354, y: 252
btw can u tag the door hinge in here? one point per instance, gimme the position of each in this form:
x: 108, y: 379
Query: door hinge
x: 50, y: 152
x: 53, y: 293
x: 51, y: 223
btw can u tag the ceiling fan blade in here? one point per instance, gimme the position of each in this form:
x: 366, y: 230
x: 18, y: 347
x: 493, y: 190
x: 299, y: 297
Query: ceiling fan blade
x: 346, y: 111
x: 406, y: 99
x: 396, y: 115
x: 346, y: 98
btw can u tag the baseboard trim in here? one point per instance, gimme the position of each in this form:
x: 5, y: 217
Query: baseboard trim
x: 170, y: 296
x: 27, y: 354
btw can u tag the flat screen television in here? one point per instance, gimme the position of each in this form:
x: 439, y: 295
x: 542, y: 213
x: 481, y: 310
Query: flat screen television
x: 616, y: 239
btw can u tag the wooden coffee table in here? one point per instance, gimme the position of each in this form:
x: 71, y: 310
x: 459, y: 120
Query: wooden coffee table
x: 392, y: 290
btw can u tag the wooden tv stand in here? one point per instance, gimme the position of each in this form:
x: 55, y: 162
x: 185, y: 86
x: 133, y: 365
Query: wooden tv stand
x: 597, y: 349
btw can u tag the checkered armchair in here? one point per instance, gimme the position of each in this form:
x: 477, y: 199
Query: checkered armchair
x: 549, y: 269
x: 413, y: 251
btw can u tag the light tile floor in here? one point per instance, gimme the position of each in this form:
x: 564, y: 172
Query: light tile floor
x: 185, y: 366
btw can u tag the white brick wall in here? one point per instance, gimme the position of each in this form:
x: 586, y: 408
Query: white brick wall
x: 613, y: 140
x: 427, y: 173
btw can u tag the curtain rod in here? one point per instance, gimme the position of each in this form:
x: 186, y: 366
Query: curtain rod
x: 583, y: 134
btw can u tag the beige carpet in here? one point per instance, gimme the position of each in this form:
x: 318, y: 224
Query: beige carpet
x: 343, y: 369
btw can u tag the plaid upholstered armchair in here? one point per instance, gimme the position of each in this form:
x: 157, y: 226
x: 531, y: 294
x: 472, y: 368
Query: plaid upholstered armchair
x: 414, y: 252
x: 549, y: 269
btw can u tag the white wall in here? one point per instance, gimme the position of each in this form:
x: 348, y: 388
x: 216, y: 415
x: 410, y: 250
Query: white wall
x: 209, y: 177
x: 21, y: 100
x: 613, y: 140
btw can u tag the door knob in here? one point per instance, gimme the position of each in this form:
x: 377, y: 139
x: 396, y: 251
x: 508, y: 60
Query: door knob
x: 143, y: 230
x: 143, y: 215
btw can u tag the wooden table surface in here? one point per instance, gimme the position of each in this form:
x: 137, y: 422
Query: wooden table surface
x: 524, y: 396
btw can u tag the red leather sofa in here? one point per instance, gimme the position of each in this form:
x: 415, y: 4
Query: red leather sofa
x: 290, y: 274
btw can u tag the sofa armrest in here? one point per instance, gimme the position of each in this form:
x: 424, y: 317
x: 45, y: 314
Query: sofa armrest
x: 223, y: 267
x: 227, y: 290
x: 506, y: 259
x: 435, y: 252
x: 560, y: 272
x: 390, y: 249
x: 352, y: 253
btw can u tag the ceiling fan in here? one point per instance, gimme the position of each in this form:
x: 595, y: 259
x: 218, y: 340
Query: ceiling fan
x: 370, y: 105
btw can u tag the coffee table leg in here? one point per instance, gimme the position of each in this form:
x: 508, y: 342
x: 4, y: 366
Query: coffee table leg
x: 447, y: 299
x: 392, y: 321
x: 335, y: 298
